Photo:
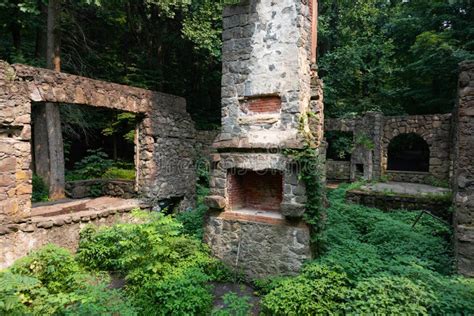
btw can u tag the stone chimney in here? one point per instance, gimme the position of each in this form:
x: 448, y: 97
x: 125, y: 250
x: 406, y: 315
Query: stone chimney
x: 268, y: 89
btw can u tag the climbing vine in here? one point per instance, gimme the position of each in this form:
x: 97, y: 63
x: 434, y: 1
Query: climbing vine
x: 311, y: 166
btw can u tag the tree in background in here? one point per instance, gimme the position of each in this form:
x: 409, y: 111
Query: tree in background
x: 397, y: 56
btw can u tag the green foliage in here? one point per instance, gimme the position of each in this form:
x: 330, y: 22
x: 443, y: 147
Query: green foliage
x: 97, y: 165
x: 393, y: 56
x: 49, y: 282
x: 94, y: 165
x: 119, y: 173
x: 235, y: 305
x: 123, y: 124
x: 54, y: 267
x: 40, y: 190
x: 340, y: 145
x: 193, y: 220
x: 364, y: 141
x: 318, y: 290
x: 310, y: 166
x: 388, y: 296
x: 16, y: 292
x: 162, y: 267
x: 389, y: 266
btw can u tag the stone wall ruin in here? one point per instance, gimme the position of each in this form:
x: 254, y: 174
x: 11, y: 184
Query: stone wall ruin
x: 380, y: 130
x: 164, y: 146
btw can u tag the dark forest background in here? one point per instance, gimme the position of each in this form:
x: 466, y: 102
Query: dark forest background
x: 399, y: 57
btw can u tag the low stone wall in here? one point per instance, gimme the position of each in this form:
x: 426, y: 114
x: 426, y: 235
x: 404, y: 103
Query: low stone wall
x: 259, y: 249
x: 408, y: 176
x: 18, y: 239
x: 94, y: 187
x: 338, y: 170
x: 385, y: 202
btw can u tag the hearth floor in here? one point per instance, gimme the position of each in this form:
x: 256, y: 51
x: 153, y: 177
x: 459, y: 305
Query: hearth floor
x: 68, y: 206
x: 254, y: 212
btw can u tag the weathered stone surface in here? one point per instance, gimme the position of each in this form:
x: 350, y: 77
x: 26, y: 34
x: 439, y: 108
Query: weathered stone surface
x: 268, y: 90
x: 292, y: 210
x: 16, y: 243
x: 259, y: 249
x: 215, y: 202
x: 380, y: 130
x: 463, y: 175
x: 165, y: 144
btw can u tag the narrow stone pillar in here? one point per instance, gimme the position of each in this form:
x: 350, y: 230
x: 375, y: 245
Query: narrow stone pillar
x: 463, y: 177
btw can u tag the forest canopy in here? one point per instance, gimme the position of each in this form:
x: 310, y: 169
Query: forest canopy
x: 396, y: 56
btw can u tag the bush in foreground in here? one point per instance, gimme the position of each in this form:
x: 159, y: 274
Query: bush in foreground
x: 375, y: 263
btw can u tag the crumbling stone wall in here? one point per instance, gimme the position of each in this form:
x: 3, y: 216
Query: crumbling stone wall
x: 463, y: 177
x: 380, y: 130
x: 164, y: 144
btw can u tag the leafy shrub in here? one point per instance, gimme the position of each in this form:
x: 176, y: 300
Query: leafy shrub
x: 40, y: 190
x: 16, y: 292
x: 318, y: 290
x: 193, y: 220
x: 390, y: 266
x: 97, y: 299
x: 49, y: 282
x: 94, y: 165
x: 235, y: 305
x: 166, y: 272
x: 54, y: 267
x: 388, y: 296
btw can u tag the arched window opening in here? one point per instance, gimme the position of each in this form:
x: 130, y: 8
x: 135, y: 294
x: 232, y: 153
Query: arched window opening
x: 408, y: 152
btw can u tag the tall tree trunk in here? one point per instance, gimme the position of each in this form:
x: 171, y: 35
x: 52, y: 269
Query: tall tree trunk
x: 15, y: 27
x: 52, y: 168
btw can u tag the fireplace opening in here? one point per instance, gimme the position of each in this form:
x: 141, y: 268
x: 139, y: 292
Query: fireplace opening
x: 255, y: 190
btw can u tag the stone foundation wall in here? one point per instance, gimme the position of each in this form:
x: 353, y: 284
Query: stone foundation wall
x: 165, y: 151
x: 258, y: 248
x: 89, y: 188
x: 338, y: 170
x: 463, y: 179
x: 385, y: 202
x: 18, y: 239
x: 410, y: 176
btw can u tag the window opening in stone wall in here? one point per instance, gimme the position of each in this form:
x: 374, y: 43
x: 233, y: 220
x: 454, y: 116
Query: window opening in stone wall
x: 255, y: 190
x: 99, y: 152
x: 408, y: 152
x: 340, y: 145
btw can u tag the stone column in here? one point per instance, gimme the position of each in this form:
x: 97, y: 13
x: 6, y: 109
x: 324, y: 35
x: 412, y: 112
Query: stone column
x: 463, y: 177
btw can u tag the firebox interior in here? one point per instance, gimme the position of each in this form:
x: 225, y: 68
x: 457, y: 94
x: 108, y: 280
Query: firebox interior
x: 255, y: 190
